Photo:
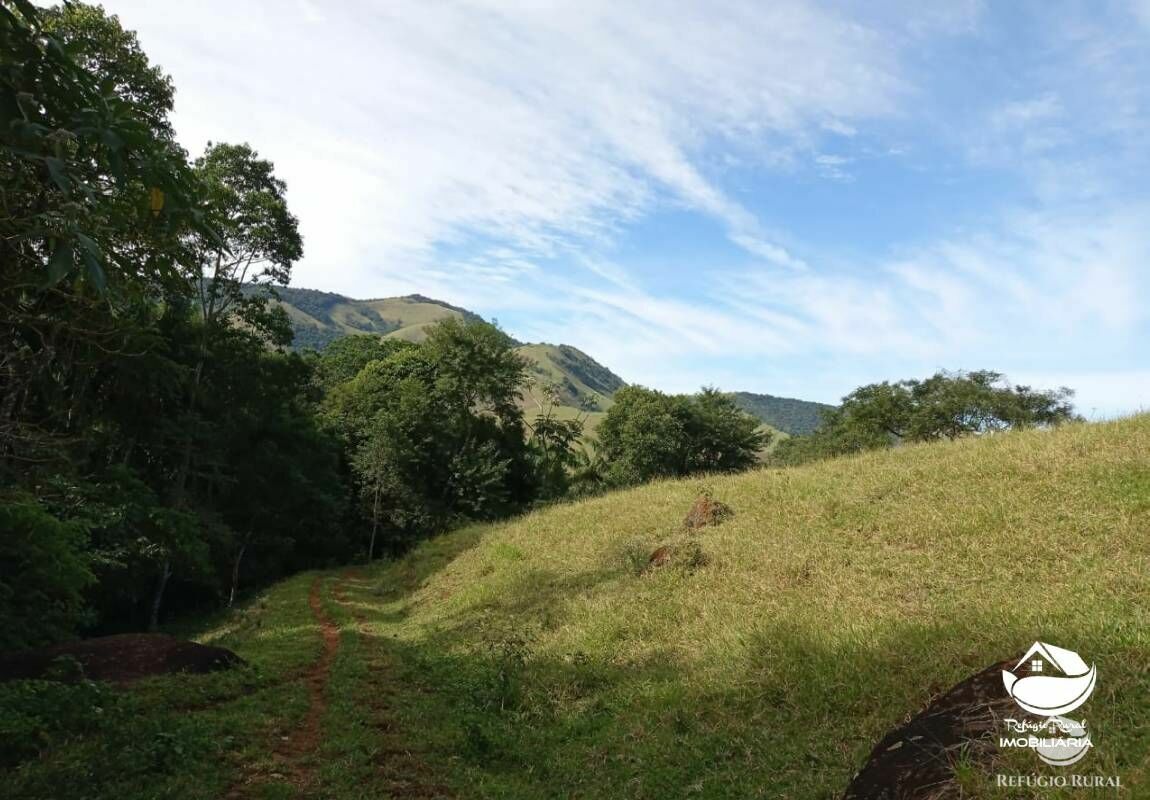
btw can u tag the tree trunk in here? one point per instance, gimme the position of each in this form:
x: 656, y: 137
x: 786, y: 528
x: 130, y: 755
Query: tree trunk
x: 374, y: 528
x: 158, y: 597
x: 236, y: 574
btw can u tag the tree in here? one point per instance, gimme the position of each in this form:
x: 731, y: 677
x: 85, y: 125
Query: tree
x: 555, y: 442
x: 723, y: 437
x: 43, y: 572
x: 99, y: 45
x: 151, y: 426
x: 647, y: 434
x: 257, y: 238
x: 435, y: 432
x: 944, y: 406
x: 344, y: 358
x: 97, y: 206
x: 253, y: 243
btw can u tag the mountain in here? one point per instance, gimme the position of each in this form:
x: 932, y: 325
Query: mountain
x: 580, y: 378
x: 319, y: 318
x: 796, y: 417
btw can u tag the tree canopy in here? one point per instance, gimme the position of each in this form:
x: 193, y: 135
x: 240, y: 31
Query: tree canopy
x: 648, y: 434
x: 943, y: 406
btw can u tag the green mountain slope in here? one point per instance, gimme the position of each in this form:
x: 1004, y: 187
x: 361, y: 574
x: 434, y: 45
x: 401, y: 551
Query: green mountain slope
x: 796, y: 417
x: 318, y: 318
x: 540, y: 657
x: 579, y: 377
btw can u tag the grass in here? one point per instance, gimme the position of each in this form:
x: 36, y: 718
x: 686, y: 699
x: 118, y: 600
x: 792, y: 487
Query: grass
x: 536, y: 658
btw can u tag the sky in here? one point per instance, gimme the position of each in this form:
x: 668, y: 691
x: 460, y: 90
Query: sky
x: 786, y: 197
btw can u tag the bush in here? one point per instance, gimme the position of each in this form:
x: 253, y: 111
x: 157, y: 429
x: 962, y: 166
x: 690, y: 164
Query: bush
x: 43, y: 573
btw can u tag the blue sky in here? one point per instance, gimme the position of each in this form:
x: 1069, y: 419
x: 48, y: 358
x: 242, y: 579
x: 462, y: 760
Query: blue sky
x: 788, y: 197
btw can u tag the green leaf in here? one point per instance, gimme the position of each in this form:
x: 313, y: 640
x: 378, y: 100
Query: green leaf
x: 90, y: 246
x: 56, y: 170
x: 60, y: 264
x: 95, y: 272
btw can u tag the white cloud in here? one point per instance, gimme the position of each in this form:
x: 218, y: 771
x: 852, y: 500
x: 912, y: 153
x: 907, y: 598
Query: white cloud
x: 401, y: 126
x: 1031, y: 297
x: 496, y: 154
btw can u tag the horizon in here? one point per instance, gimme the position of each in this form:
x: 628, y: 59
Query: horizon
x: 794, y: 201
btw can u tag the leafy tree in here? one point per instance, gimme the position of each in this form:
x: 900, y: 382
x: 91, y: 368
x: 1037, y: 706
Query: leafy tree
x: 96, y: 203
x: 344, y: 358
x: 943, y: 406
x: 647, y: 434
x: 150, y: 427
x: 257, y: 238
x: 723, y: 438
x: 43, y: 572
x: 555, y: 442
x: 99, y: 45
x: 435, y: 432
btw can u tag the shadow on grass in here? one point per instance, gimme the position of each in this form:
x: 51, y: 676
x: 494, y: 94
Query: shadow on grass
x: 793, y: 714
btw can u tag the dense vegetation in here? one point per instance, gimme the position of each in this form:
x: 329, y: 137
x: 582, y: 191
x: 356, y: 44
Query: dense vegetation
x: 795, y: 417
x: 647, y: 435
x: 153, y: 429
x: 943, y: 406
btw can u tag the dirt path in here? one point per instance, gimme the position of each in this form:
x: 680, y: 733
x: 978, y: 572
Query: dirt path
x: 303, y: 741
x: 293, y: 752
x: 402, y: 770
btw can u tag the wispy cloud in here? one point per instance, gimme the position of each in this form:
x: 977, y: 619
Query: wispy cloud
x: 788, y: 196
x: 404, y: 125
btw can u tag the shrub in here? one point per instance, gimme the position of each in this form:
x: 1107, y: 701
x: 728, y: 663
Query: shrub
x: 43, y: 573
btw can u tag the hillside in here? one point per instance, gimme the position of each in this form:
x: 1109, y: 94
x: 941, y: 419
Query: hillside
x: 536, y: 658
x: 318, y: 318
x: 579, y: 377
x: 795, y: 417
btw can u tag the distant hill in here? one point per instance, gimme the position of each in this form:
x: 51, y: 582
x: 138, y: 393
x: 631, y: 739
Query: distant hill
x: 796, y: 417
x: 319, y: 318
x: 578, y: 376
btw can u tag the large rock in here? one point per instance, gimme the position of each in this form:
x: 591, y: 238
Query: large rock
x: 916, y: 761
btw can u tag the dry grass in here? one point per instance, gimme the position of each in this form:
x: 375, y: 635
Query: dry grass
x: 838, y: 599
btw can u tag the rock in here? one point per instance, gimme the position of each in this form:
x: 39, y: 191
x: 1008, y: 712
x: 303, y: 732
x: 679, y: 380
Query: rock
x: 706, y: 510
x: 916, y: 761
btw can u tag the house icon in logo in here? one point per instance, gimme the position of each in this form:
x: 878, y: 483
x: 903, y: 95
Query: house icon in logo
x: 1049, y: 681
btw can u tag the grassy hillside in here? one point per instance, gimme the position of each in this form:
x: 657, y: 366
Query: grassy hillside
x: 318, y: 318
x: 578, y: 376
x: 794, y: 417
x: 537, y: 659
